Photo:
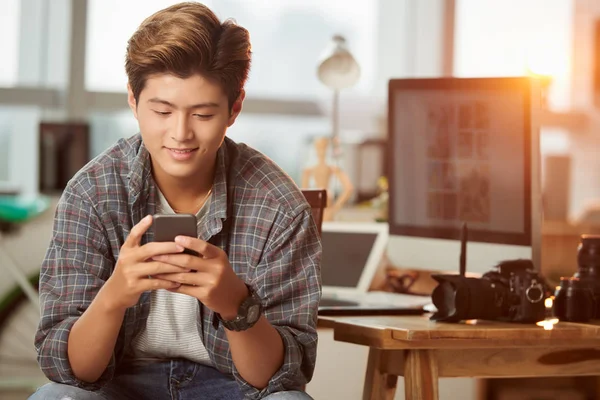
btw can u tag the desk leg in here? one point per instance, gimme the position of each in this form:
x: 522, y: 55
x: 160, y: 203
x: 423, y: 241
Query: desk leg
x: 420, y: 375
x: 378, y: 384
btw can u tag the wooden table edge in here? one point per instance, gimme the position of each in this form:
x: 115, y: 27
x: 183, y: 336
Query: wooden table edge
x: 383, y: 337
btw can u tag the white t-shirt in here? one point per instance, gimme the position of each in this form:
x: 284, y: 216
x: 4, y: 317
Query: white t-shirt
x: 172, y: 329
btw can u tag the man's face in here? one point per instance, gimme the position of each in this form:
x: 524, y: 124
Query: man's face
x: 182, y: 123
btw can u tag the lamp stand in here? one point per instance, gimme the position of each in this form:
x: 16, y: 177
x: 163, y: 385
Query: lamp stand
x: 335, y: 137
x: 335, y: 123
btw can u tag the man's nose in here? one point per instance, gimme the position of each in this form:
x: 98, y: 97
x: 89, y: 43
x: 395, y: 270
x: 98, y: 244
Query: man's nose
x: 182, y: 131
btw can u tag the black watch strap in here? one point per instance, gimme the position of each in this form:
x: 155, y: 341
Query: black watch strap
x: 249, y: 313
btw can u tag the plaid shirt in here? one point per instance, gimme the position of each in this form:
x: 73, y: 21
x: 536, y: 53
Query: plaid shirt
x: 258, y: 216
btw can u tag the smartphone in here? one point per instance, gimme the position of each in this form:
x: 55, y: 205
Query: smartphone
x: 167, y: 226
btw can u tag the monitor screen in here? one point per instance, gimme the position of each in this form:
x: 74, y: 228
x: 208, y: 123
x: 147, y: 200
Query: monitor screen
x: 345, y: 256
x: 462, y: 151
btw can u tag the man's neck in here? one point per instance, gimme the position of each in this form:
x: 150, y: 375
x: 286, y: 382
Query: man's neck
x: 186, y: 195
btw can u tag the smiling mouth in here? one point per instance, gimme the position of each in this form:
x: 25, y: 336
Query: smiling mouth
x: 181, y: 151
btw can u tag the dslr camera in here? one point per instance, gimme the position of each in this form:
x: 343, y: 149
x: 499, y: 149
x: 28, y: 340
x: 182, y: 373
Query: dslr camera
x: 512, y: 291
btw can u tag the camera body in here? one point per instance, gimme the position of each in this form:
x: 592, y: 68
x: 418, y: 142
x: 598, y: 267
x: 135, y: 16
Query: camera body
x: 512, y: 291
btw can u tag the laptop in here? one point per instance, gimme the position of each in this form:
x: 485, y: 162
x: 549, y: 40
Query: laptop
x: 352, y: 253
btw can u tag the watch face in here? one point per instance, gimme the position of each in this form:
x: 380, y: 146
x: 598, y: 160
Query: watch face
x: 253, y: 313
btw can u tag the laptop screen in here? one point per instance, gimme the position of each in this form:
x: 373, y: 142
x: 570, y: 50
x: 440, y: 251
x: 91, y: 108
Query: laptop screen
x: 345, y: 255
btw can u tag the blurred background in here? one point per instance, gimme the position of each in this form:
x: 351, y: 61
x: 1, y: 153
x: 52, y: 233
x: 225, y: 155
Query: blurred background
x: 62, y: 60
x: 63, y: 85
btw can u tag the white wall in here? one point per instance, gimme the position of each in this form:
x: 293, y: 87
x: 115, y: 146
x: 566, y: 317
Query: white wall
x: 585, y: 144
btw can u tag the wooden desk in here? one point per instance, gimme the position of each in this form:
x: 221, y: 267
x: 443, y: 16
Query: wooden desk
x: 423, y: 351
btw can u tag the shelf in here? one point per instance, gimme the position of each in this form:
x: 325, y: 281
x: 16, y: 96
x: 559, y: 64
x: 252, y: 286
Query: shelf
x: 572, y: 121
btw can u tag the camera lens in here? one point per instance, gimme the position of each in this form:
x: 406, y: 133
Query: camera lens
x: 588, y: 262
x: 458, y: 298
x: 588, y: 255
x: 573, y: 301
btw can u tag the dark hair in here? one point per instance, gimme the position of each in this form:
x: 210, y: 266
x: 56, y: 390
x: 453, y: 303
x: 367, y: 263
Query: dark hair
x: 187, y: 39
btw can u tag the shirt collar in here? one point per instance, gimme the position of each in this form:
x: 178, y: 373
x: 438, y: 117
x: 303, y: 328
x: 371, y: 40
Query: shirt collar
x: 142, y: 186
x: 218, y: 208
x: 140, y: 171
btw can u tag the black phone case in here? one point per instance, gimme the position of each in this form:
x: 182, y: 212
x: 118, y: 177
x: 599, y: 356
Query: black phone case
x: 166, y: 227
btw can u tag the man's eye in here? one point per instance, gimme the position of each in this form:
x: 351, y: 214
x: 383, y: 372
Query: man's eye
x: 162, y: 112
x: 203, y: 116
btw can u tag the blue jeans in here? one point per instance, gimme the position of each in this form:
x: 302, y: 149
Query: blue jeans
x: 177, y: 380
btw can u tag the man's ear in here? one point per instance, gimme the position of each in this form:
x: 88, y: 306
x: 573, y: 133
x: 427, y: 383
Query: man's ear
x: 236, y: 108
x: 131, y: 100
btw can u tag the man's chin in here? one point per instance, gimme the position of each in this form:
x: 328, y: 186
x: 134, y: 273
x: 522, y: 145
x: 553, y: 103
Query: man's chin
x: 180, y: 172
x: 182, y: 175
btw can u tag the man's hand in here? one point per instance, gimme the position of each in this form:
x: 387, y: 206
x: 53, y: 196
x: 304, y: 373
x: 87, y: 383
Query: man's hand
x: 214, y: 283
x: 135, y: 270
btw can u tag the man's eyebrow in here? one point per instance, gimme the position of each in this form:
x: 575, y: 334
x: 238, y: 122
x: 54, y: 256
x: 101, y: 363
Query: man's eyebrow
x: 209, y: 104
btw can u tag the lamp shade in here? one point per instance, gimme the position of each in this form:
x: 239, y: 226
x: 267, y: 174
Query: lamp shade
x: 338, y: 69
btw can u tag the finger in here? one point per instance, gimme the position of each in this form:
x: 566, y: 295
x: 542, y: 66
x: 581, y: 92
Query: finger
x: 155, y: 284
x: 136, y: 233
x: 186, y: 278
x: 153, y: 249
x: 155, y: 268
x: 205, y: 249
x: 193, y: 291
x: 182, y: 260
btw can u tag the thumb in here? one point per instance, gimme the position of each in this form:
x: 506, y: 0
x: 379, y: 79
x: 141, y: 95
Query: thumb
x: 135, y: 236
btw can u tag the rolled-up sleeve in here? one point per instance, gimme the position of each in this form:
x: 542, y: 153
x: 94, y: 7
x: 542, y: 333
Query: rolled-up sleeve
x: 289, y: 282
x: 76, y: 265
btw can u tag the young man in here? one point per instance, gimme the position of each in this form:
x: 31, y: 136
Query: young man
x: 126, y: 317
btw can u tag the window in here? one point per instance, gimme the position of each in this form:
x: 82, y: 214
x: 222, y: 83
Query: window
x: 287, y: 140
x: 18, y: 148
x: 9, y: 45
x: 287, y: 36
x: 4, y: 148
x: 506, y: 38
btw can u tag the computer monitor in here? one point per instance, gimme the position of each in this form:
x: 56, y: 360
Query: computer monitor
x: 463, y: 150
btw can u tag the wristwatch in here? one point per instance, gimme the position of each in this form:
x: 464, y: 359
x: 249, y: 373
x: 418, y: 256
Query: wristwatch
x: 247, y: 315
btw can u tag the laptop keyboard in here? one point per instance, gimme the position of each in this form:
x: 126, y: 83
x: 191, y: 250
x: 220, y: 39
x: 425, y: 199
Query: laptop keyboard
x: 325, y: 302
x: 377, y: 298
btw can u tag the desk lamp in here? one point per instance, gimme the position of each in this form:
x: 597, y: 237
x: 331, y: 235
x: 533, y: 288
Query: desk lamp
x: 337, y: 70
